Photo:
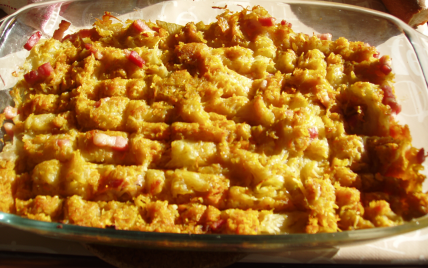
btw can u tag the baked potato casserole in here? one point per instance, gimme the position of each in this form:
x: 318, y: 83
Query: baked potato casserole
x: 238, y: 127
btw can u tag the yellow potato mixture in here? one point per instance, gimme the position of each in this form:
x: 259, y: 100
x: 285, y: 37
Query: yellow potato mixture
x: 238, y: 127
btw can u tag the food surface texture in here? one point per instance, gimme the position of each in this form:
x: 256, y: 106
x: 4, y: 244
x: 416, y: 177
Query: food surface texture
x: 238, y: 127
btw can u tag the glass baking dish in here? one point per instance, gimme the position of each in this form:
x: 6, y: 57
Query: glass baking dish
x: 391, y: 36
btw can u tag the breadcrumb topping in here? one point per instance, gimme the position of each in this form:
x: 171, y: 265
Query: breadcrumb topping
x: 238, y: 127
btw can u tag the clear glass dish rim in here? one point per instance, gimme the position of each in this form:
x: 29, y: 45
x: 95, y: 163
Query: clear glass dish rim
x: 67, y: 231
x: 61, y: 230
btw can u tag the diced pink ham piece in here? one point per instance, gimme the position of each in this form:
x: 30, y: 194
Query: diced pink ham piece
x: 45, y: 70
x: 324, y: 98
x: 288, y: 24
x: 218, y: 224
x: 420, y: 156
x: 133, y: 57
x: 267, y: 21
x: 88, y: 46
x: 313, y: 132
x: 37, y: 75
x: 32, y: 77
x: 115, y: 142
x: 120, y: 143
x: 141, y: 26
x: 389, y: 99
x: 62, y: 27
x: 9, y: 128
x: 85, y: 33
x: 325, y: 36
x: 385, y: 64
x: 385, y: 69
x: 10, y: 112
x: 103, y: 140
x: 32, y: 41
x: 98, y: 55
x: 63, y: 142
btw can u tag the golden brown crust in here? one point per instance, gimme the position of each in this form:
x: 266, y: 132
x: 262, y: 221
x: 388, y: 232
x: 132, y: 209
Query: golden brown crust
x: 238, y: 127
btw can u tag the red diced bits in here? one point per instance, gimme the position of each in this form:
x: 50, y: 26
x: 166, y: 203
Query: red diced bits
x: 37, y: 75
x: 385, y: 64
x: 45, y: 70
x: 59, y: 33
x: 389, y: 99
x: 85, y: 33
x: 386, y: 69
x: 326, y: 36
x: 32, y: 41
x: 101, y: 140
x: 154, y: 186
x: 288, y: 24
x: 120, y: 144
x: 218, y: 224
x: 376, y: 55
x: 134, y: 58
x: 267, y: 21
x: 32, y: 77
x: 141, y: 26
x: 313, y: 132
x: 387, y: 93
x: 395, y: 107
x: 10, y: 112
x: 420, y: 156
x: 9, y: 128
x: 63, y: 142
x: 98, y: 55
x: 115, y: 142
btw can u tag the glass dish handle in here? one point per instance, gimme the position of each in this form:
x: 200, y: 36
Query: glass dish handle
x: 420, y: 45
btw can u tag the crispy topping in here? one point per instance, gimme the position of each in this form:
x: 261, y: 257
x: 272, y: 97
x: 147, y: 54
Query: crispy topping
x: 59, y: 33
x: 238, y: 127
